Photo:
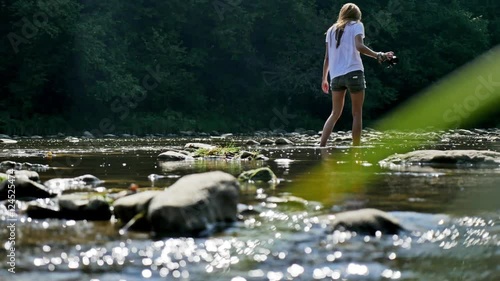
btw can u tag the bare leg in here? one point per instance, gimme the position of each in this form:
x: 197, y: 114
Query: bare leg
x: 337, y: 106
x: 357, y: 99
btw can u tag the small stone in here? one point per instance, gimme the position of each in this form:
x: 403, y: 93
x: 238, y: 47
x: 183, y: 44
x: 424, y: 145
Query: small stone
x: 283, y: 141
x: 174, y: 156
x: 197, y: 145
x: 261, y: 174
x: 252, y: 142
x: 7, y: 141
x: 266, y: 142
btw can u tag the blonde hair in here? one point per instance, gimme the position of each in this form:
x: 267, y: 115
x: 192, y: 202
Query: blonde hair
x: 349, y: 12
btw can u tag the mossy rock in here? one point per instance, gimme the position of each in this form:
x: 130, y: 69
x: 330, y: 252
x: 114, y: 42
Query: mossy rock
x: 258, y: 175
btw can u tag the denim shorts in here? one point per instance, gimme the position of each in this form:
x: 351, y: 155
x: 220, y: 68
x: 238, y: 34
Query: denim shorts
x: 353, y: 81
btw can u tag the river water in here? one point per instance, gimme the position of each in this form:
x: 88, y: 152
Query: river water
x: 453, y: 214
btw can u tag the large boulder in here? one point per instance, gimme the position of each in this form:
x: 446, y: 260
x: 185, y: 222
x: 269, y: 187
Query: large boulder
x: 71, y: 207
x: 174, y: 156
x: 365, y: 222
x: 443, y: 158
x: 126, y: 208
x: 194, y: 204
x: 24, y: 189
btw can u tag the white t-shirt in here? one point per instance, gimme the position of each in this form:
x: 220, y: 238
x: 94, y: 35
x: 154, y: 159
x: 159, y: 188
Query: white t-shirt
x: 346, y: 58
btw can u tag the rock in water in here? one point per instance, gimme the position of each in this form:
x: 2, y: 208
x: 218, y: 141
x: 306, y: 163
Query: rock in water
x: 24, y: 189
x: 260, y: 174
x: 196, y: 145
x: 266, y: 141
x: 8, y: 141
x: 252, y: 142
x: 365, y: 222
x: 194, y: 204
x: 81, y: 183
x: 128, y: 207
x: 31, y: 175
x: 174, y: 156
x: 283, y: 141
x: 71, y: 207
x: 443, y: 158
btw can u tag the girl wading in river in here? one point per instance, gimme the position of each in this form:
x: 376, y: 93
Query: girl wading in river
x: 344, y: 44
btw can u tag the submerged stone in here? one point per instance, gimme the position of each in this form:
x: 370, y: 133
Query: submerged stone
x: 365, y: 222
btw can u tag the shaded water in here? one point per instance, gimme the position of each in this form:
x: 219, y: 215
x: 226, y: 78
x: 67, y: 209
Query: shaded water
x: 453, y: 215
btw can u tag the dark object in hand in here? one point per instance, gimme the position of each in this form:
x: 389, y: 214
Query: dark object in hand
x: 392, y: 62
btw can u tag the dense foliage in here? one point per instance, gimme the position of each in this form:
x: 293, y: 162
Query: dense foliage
x: 148, y: 66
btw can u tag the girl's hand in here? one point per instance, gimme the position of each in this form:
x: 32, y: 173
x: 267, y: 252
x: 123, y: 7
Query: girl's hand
x: 389, y: 55
x: 325, y: 86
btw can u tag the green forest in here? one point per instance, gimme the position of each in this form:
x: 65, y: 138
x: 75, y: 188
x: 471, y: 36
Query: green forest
x: 145, y: 66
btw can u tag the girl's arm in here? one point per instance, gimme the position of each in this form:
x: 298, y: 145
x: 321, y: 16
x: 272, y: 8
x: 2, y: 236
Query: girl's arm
x: 325, y: 65
x: 362, y: 48
x: 324, y: 84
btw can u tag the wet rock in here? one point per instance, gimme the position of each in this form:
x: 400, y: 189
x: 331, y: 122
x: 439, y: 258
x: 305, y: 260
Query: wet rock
x: 443, y: 158
x: 25, y: 189
x: 7, y: 141
x: 72, y: 139
x: 247, y: 155
x: 71, y: 207
x: 365, y: 222
x: 31, y: 175
x: 283, y: 141
x: 252, y: 142
x: 10, y: 165
x: 261, y: 174
x: 128, y: 207
x: 110, y: 136
x: 89, y: 179
x: 226, y: 135
x: 88, y: 135
x: 196, y: 145
x: 3, y: 136
x: 36, y: 137
x: 266, y: 141
x: 262, y: 157
x: 81, y: 183
x: 5, y: 165
x: 195, y: 203
x: 174, y: 156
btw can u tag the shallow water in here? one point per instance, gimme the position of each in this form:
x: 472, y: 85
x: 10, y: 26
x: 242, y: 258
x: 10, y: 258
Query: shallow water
x: 453, y: 214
